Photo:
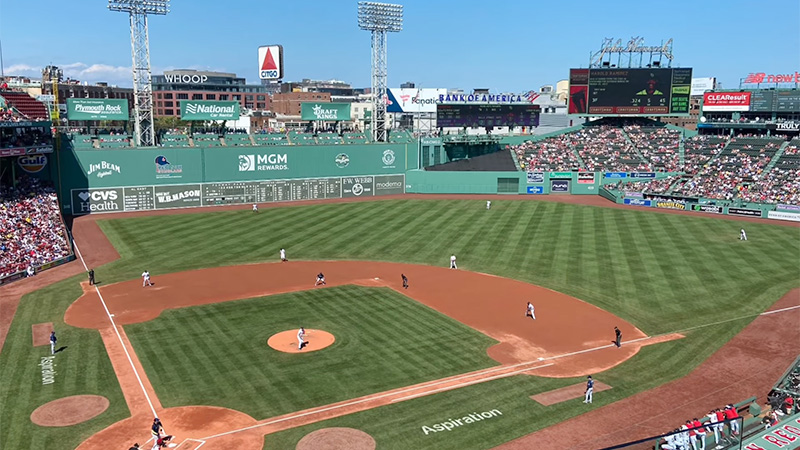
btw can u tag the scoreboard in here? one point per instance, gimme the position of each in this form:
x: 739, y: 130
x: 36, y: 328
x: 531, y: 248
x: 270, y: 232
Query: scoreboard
x: 145, y: 198
x: 630, y: 92
x: 487, y: 115
x: 778, y: 101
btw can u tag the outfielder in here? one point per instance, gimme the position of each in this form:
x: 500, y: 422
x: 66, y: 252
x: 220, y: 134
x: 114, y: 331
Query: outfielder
x: 589, y: 390
x: 146, y: 279
x: 453, y: 262
x: 488, y: 205
x: 255, y: 207
x: 283, y: 255
x: 529, y: 311
x: 742, y: 235
x: 300, y: 335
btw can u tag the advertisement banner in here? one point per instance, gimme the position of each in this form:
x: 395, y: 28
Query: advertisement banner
x: 708, y: 208
x: 794, y: 217
x: 32, y: 163
x: 535, y: 177
x: 357, y: 187
x: 390, y: 184
x: 788, y: 126
x: 177, y: 196
x: 726, y: 101
x: 330, y: 112
x: 616, y: 175
x: 413, y: 100
x: 209, y: 110
x: 701, y: 85
x: 86, y: 201
x: 788, y: 207
x: 97, y: 109
x: 633, y: 194
x: 670, y: 204
x: 535, y: 190
x: 744, y: 212
x: 270, y: 62
x: 642, y: 175
x: 637, y: 202
x: 559, y: 186
x: 561, y: 175
x: 586, y: 177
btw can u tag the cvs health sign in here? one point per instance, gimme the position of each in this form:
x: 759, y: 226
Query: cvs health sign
x: 726, y: 101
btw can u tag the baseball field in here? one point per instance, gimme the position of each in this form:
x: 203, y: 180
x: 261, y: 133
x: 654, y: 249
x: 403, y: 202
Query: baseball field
x: 407, y: 366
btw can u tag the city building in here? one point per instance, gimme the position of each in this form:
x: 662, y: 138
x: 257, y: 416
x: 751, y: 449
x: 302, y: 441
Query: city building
x: 288, y: 103
x: 176, y: 85
x: 338, y: 90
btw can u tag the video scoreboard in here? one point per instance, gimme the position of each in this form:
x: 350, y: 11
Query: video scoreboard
x: 487, y: 115
x: 629, y: 92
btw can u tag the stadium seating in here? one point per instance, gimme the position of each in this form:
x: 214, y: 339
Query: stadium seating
x: 554, y: 154
x: 329, y: 138
x: 82, y: 141
x: 658, y: 186
x: 781, y: 184
x: 355, y: 138
x: 175, y: 140
x: 271, y: 139
x: 400, y: 137
x: 299, y: 138
x: 30, y: 107
x: 33, y: 231
x: 108, y: 141
x: 238, y: 140
x: 658, y: 145
x: 206, y: 140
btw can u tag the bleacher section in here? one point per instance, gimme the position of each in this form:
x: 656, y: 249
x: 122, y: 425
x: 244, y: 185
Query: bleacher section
x: 498, y: 161
x: 329, y: 139
x: 238, y: 140
x: 779, y: 185
x: 175, y: 140
x: 109, y: 141
x: 298, y: 138
x: 355, y: 138
x: 740, y: 161
x: 271, y: 139
x: 30, y: 107
x: 658, y: 145
x: 554, y: 154
x: 82, y: 141
x: 605, y: 149
x: 400, y: 137
x: 206, y: 140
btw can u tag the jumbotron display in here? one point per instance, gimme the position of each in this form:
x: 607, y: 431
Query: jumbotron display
x: 629, y: 92
x: 487, y: 115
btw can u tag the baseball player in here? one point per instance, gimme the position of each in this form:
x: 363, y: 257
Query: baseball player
x: 405, y: 281
x: 283, y: 255
x: 529, y: 311
x: 156, y: 429
x: 742, y: 235
x: 618, y: 337
x: 700, y: 431
x: 300, y: 335
x: 488, y: 205
x: 255, y: 207
x: 53, y: 340
x: 731, y: 414
x: 91, y: 277
x: 146, y: 279
x: 453, y: 262
x: 589, y: 390
x: 320, y: 279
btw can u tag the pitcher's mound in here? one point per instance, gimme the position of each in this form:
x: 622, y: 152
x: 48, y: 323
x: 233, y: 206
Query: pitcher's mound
x: 69, y: 411
x: 337, y: 439
x: 286, y: 341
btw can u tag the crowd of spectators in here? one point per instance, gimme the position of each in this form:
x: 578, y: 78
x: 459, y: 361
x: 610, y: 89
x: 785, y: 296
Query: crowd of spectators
x: 660, y: 146
x: 12, y: 137
x: 554, y: 154
x: 605, y: 148
x: 32, y: 233
x: 660, y: 186
x: 779, y: 185
x: 698, y: 150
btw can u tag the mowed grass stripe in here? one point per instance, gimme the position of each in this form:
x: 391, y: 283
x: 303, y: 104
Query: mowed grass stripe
x: 384, y: 340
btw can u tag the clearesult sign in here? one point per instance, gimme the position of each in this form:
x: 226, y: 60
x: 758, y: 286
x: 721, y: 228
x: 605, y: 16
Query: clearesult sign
x: 726, y: 101
x: 331, y: 112
x: 97, y: 109
x: 209, y: 110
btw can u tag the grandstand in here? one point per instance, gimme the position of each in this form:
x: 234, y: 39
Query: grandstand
x: 237, y: 140
x: 114, y: 141
x: 271, y: 139
x: 173, y: 139
x: 206, y: 140
x: 26, y: 105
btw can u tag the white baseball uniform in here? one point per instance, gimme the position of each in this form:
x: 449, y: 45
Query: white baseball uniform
x: 488, y: 204
x: 530, y: 311
x: 255, y: 207
x: 300, y: 334
x: 742, y: 235
x: 453, y: 262
x: 283, y: 255
x: 146, y: 279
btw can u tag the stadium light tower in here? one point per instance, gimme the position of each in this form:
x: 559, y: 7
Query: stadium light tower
x: 140, y: 49
x: 379, y: 19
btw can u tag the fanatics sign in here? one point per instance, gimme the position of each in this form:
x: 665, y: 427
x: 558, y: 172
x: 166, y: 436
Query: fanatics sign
x: 726, y: 101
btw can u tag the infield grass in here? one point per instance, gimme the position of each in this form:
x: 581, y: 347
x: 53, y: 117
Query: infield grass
x: 218, y: 355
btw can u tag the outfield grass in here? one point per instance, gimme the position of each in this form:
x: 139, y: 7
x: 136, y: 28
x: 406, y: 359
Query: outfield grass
x: 217, y: 354
x: 660, y: 272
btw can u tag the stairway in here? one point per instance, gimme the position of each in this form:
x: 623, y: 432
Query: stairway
x: 30, y: 107
x: 776, y: 157
x: 635, y: 149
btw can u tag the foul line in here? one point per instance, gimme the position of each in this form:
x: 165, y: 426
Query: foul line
x: 111, y: 318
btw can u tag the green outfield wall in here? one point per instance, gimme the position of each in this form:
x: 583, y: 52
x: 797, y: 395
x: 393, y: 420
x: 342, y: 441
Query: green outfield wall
x: 92, y: 181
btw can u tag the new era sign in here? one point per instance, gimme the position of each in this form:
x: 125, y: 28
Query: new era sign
x: 270, y: 62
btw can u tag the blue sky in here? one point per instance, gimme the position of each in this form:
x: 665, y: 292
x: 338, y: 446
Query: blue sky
x: 504, y: 45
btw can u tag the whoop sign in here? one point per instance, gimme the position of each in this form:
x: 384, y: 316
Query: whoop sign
x: 726, y: 101
x: 270, y: 62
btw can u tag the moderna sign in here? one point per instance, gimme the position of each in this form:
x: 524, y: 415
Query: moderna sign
x: 726, y: 101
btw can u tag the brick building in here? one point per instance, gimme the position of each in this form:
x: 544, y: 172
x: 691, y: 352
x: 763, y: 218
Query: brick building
x: 288, y: 103
x: 176, y: 85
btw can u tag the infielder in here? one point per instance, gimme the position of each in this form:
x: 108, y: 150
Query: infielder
x: 488, y: 205
x: 320, y: 279
x: 589, y: 389
x: 742, y: 235
x: 53, y: 340
x: 405, y: 280
x: 300, y: 335
x: 146, y: 279
x: 617, y: 337
x: 283, y: 255
x: 453, y: 262
x: 529, y: 311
